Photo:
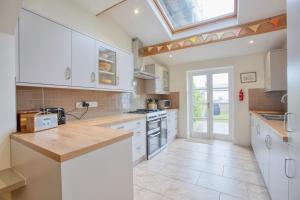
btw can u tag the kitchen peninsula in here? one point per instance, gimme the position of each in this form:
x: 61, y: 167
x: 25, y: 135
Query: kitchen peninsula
x: 79, y: 160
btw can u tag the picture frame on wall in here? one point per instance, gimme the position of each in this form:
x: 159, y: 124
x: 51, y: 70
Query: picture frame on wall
x: 248, y: 77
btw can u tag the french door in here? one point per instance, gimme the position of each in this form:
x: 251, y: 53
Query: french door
x: 210, y: 103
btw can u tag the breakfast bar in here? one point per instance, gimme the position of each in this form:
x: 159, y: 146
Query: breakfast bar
x: 79, y: 160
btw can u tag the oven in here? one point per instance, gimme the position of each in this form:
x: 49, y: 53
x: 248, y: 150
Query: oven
x: 153, y: 136
x: 163, y: 131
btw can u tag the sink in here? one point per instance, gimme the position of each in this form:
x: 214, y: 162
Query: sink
x: 268, y: 116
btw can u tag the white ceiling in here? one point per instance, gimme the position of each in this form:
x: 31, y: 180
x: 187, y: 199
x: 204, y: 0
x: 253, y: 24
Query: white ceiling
x: 96, y: 6
x: 230, y: 48
x: 148, y: 27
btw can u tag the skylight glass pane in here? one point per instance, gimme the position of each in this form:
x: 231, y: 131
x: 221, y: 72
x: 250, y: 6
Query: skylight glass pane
x: 182, y: 13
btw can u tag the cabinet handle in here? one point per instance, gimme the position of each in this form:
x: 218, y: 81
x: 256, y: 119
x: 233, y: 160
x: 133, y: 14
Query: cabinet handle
x: 121, y: 127
x: 117, y: 80
x: 257, y: 129
x: 68, y: 73
x: 268, y: 142
x: 285, y: 167
x: 93, y: 77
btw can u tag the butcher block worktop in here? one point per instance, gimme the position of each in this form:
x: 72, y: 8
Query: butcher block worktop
x: 277, y: 126
x: 77, y: 137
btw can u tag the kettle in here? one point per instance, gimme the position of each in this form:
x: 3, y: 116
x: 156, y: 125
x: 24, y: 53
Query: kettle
x: 151, y: 104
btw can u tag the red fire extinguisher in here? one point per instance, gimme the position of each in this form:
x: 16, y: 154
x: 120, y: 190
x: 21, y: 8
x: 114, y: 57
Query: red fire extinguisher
x: 241, y: 95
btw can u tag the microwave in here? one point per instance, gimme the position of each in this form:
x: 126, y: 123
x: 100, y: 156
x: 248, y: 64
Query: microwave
x: 164, y: 104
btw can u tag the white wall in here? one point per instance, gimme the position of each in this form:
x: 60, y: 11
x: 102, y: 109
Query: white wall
x: 250, y: 63
x: 73, y: 16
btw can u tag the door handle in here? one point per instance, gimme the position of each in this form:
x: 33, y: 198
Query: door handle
x: 68, y: 73
x: 288, y: 166
x: 93, y: 77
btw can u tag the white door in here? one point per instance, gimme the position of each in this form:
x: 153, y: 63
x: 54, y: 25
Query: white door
x: 84, y: 61
x: 125, y: 71
x: 210, y: 103
x: 293, y: 32
x: 45, y: 51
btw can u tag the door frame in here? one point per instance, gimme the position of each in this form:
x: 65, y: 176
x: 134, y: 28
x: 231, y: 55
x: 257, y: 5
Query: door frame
x: 209, y: 72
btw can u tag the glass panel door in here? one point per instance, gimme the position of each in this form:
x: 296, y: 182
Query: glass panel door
x: 199, y: 103
x: 210, y: 103
x: 107, y: 66
x: 220, y: 97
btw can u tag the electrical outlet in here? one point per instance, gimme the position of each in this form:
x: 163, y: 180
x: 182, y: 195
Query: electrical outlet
x: 92, y: 104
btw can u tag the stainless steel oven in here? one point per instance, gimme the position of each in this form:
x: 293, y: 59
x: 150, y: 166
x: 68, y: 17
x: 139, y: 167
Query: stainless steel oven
x: 153, y: 135
x: 163, y: 131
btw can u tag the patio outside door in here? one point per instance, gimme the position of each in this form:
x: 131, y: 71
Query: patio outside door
x: 210, y: 103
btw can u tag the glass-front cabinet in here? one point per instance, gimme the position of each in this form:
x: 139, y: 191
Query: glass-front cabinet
x: 107, y: 66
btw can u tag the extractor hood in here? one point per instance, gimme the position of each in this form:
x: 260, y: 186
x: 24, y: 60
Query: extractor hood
x: 140, y: 71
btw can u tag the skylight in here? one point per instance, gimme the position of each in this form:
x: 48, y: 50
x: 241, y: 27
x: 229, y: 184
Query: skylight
x: 185, y: 14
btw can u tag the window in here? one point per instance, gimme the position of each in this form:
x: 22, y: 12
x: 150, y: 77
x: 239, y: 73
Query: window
x: 184, y: 14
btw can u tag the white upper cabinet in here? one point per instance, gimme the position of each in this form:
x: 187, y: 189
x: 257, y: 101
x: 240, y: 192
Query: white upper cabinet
x: 159, y: 85
x: 125, y: 70
x: 45, y: 51
x: 276, y: 70
x: 83, y: 61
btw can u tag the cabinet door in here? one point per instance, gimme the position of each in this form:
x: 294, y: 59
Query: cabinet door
x: 125, y: 71
x: 107, y: 66
x: 45, y: 51
x: 278, y: 182
x: 83, y: 61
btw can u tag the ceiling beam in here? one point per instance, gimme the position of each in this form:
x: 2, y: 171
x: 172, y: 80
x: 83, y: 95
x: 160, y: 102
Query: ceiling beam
x: 107, y: 9
x: 254, y: 28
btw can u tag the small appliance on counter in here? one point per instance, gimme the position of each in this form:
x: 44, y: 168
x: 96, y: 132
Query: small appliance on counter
x: 152, y: 104
x: 34, y: 121
x: 61, y: 115
x: 164, y: 104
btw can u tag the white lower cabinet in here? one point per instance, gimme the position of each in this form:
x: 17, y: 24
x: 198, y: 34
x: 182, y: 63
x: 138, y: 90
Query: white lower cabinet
x: 270, y: 152
x: 138, y: 127
x: 172, y: 125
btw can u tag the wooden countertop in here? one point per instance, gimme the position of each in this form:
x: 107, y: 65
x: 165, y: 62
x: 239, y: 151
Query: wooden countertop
x: 277, y: 126
x: 77, y: 137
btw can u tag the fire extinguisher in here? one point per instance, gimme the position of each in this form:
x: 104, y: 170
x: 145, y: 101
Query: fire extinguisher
x: 241, y: 95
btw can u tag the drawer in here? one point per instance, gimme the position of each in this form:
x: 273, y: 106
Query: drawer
x: 138, y: 152
x: 138, y: 140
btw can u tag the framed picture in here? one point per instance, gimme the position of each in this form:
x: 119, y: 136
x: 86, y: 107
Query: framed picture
x: 249, y: 77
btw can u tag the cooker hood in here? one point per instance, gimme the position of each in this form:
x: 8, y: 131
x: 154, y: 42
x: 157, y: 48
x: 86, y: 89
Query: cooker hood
x: 140, y: 71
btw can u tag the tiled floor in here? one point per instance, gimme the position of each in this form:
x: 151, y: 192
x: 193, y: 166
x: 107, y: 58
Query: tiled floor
x: 197, y: 171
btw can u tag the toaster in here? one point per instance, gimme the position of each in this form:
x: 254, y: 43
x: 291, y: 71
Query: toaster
x: 34, y: 121
x: 61, y: 115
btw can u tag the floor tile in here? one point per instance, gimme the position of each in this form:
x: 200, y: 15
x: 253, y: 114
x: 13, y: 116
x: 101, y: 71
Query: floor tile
x: 244, y: 175
x: 223, y: 184
x: 229, y: 197
x: 257, y: 193
x: 142, y: 194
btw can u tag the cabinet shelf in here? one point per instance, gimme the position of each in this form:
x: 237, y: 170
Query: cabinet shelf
x: 106, y: 60
x: 105, y: 72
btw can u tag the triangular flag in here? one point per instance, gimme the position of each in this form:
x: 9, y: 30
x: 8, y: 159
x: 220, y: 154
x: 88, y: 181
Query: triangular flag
x: 181, y: 43
x: 204, y: 36
x: 159, y: 48
x: 254, y: 27
x: 169, y: 46
x: 275, y: 21
x: 220, y: 34
x: 236, y: 31
x: 194, y: 39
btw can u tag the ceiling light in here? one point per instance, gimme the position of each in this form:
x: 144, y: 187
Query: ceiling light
x: 251, y: 42
x: 170, y: 56
x: 136, y: 11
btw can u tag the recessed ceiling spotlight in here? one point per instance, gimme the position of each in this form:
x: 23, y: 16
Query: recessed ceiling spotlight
x: 251, y: 42
x: 136, y: 11
x: 170, y: 56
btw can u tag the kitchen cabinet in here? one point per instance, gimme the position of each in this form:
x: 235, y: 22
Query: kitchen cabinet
x: 276, y: 70
x: 125, y: 70
x: 270, y: 152
x: 53, y: 55
x: 172, y: 125
x: 159, y: 85
x: 83, y: 61
x: 138, y: 127
x: 44, y: 51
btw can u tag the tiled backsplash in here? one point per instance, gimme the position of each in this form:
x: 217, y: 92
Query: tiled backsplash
x: 29, y: 98
x: 266, y: 101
